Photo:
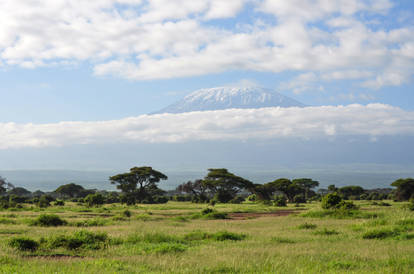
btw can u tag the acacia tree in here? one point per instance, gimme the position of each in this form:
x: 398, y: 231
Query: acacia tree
x: 71, y: 190
x: 405, y: 189
x: 197, y: 189
x: 225, y: 185
x: 306, y: 184
x: 139, y: 184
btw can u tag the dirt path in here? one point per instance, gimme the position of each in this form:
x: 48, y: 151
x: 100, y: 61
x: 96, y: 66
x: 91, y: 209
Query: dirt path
x: 250, y: 215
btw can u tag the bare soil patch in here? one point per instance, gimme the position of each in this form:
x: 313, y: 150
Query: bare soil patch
x: 251, y: 215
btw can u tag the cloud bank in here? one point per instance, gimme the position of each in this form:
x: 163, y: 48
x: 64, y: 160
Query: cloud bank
x: 162, y: 39
x: 372, y: 121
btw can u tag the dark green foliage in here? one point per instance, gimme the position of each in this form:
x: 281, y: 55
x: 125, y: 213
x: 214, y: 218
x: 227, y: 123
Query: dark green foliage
x: 90, y: 222
x: 237, y: 200
x: 19, y: 191
x: 96, y: 199
x: 405, y: 189
x: 300, y: 198
x: 218, y: 236
x: 165, y: 248
x: 49, y: 220
x: 207, y: 210
x: 70, y: 190
x: 197, y: 191
x: 280, y: 200
x: 44, y: 201
x: 347, y: 191
x: 126, y: 213
x: 80, y: 239
x: 411, y: 204
x: 24, y: 244
x: 347, y: 205
x: 307, y: 226
x: 330, y: 201
x: 59, y: 203
x: 224, y: 185
x: 139, y: 184
x: 215, y: 216
x: 380, y: 234
x: 225, y: 235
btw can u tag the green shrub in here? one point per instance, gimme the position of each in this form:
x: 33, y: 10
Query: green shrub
x: 44, y: 201
x: 90, y: 222
x: 126, y: 213
x: 347, y: 205
x: 330, y: 201
x: 216, y: 216
x: 300, y: 198
x: 207, y: 210
x: 280, y: 200
x: 80, y: 239
x: 59, y: 203
x: 326, y: 232
x: 49, y: 220
x: 96, y: 199
x: 23, y: 244
x: 165, y: 248
x: 307, y: 226
x: 380, y: 234
x: 225, y: 235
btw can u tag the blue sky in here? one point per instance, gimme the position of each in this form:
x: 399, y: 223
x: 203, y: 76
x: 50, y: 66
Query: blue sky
x: 104, y: 61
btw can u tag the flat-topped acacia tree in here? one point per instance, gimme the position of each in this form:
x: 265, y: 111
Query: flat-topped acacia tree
x: 225, y: 185
x: 139, y: 183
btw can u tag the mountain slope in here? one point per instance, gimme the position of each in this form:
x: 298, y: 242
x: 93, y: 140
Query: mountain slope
x: 230, y: 97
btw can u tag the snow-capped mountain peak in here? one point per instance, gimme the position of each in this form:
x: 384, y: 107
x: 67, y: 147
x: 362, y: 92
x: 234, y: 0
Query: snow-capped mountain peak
x: 230, y: 97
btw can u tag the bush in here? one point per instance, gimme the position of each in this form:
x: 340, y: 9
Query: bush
x: 346, y: 205
x: 331, y: 201
x: 126, y: 213
x: 380, y: 234
x: 237, y: 200
x: 326, y: 232
x: 49, y: 220
x: 44, y: 201
x: 59, y: 203
x: 80, y: 239
x: 252, y: 198
x: 207, y: 210
x: 225, y: 235
x: 215, y: 215
x: 96, y: 199
x: 23, y: 244
x: 307, y: 226
x: 90, y: 222
x: 280, y: 200
x: 300, y: 198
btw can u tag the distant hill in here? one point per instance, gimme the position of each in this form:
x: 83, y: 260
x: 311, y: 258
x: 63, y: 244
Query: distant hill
x: 230, y: 97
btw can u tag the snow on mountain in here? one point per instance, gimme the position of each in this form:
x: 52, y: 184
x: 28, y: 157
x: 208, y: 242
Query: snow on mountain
x: 230, y: 97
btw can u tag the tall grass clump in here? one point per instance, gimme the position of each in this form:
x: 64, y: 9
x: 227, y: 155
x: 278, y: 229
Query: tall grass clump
x: 48, y: 220
x: 380, y: 234
x: 23, y: 244
x: 81, y: 239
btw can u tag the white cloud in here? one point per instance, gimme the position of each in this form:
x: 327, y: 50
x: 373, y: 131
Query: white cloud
x: 234, y: 124
x: 161, y: 39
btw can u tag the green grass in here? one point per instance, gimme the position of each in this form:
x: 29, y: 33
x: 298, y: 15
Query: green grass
x: 166, y: 239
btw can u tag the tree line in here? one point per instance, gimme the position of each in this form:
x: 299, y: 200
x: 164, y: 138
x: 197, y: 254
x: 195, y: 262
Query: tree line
x: 140, y: 185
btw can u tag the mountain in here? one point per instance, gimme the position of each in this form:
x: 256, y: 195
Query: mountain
x: 230, y: 97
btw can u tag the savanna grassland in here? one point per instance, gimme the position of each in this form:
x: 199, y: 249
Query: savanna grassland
x: 183, y: 237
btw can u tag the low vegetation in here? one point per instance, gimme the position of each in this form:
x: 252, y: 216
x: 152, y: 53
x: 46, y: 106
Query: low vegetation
x: 208, y: 226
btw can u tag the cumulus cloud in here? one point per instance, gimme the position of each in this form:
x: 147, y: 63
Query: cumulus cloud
x: 161, y: 39
x: 373, y: 120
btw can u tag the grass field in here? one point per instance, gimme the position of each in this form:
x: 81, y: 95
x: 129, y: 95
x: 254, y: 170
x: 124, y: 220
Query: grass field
x: 177, y: 238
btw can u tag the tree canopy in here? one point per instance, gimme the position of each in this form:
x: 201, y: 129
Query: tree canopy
x: 405, y: 189
x: 138, y: 184
x: 224, y: 184
x: 70, y: 190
